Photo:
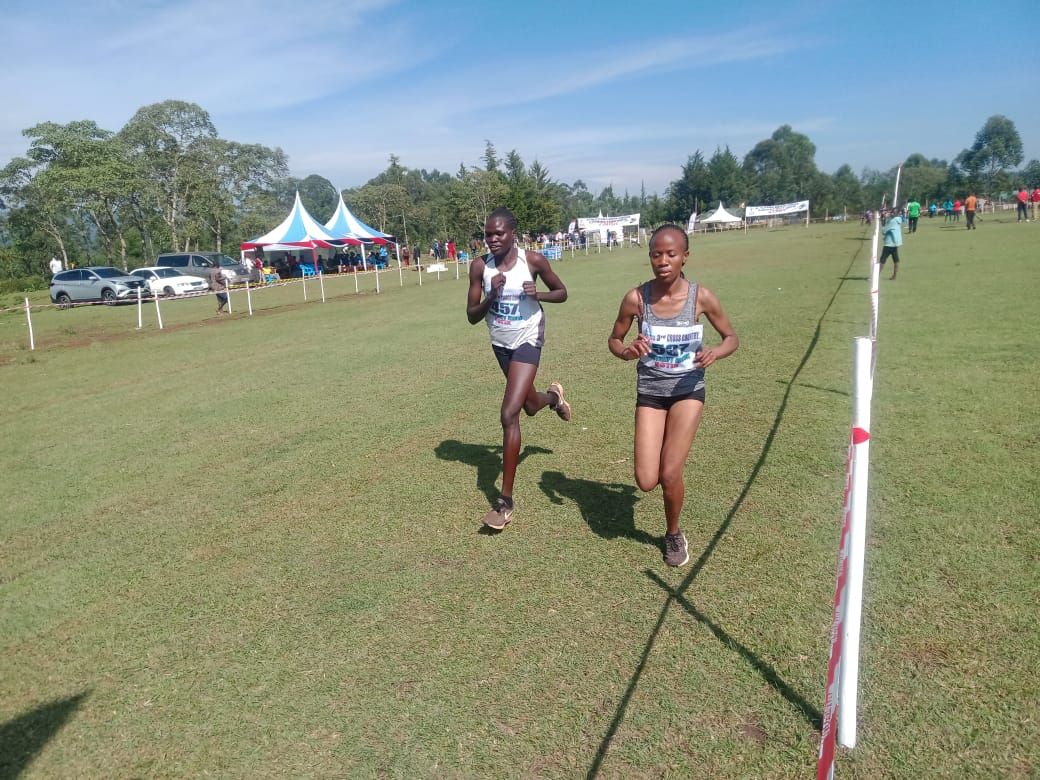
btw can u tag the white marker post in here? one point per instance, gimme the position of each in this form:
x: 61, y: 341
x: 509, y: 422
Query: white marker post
x: 158, y: 314
x: 839, y: 711
x: 227, y: 291
x: 303, y: 279
x: 28, y: 318
x: 355, y: 281
x: 848, y: 671
x: 377, y: 278
x: 249, y: 299
x: 321, y: 284
x: 139, y: 323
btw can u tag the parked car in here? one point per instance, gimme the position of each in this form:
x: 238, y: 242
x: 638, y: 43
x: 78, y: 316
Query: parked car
x: 95, y: 283
x: 169, y: 281
x: 201, y: 264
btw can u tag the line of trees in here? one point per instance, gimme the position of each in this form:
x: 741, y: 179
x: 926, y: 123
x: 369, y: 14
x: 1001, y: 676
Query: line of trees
x: 168, y: 181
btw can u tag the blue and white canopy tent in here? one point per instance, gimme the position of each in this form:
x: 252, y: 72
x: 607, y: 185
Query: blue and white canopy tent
x: 344, y: 224
x: 299, y: 230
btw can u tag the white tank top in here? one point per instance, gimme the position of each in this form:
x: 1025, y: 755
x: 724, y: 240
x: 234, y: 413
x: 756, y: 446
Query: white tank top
x: 513, y: 318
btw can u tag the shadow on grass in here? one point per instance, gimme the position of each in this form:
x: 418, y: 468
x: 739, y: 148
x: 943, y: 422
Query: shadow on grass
x: 22, y: 738
x: 676, y: 595
x: 608, y: 508
x: 769, y: 674
x: 855, y: 278
x: 816, y: 387
x: 486, y: 458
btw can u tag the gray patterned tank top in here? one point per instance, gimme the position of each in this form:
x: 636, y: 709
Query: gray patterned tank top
x: 669, y: 369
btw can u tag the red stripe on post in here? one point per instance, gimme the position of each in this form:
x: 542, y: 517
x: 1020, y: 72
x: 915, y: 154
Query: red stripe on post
x: 859, y: 435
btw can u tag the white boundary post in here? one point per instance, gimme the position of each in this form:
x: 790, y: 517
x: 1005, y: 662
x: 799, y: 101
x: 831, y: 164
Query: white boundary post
x: 457, y: 264
x: 158, y: 314
x: 303, y: 278
x: 28, y: 318
x: 356, y: 288
x: 249, y: 298
x: 139, y: 323
x: 848, y: 670
x: 843, y: 664
x: 377, y: 280
x: 400, y: 272
x: 418, y: 267
x: 227, y: 290
x: 321, y: 284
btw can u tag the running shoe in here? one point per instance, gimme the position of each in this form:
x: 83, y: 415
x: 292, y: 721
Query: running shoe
x: 499, y: 515
x: 675, y: 550
x: 562, y: 408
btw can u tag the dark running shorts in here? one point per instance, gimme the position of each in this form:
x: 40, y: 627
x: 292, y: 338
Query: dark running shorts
x: 667, y: 402
x: 525, y: 353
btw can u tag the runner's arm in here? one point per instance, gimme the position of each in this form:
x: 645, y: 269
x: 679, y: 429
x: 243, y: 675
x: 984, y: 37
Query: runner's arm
x: 557, y: 291
x: 710, y: 307
x: 627, y: 313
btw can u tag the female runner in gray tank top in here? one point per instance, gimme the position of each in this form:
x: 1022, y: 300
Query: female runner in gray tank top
x: 670, y: 375
x: 502, y: 292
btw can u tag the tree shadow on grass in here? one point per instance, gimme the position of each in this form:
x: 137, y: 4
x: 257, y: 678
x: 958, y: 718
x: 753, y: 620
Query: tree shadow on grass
x: 676, y: 594
x: 22, y: 738
x: 608, y: 508
x: 486, y: 458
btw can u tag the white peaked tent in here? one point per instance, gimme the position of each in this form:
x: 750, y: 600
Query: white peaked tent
x: 345, y: 225
x: 720, y: 217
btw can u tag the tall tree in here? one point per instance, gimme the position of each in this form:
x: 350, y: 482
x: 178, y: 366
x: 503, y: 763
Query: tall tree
x: 997, y: 147
x: 170, y: 146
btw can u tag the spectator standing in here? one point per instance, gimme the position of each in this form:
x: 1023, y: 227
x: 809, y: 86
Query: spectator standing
x: 893, y: 240
x: 1023, y: 204
x: 55, y: 265
x: 957, y: 206
x: 970, y: 204
x: 216, y: 283
x: 947, y: 210
x: 1035, y: 198
x: 913, y: 213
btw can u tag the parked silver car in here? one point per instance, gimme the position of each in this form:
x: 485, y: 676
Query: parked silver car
x: 201, y: 264
x: 95, y: 283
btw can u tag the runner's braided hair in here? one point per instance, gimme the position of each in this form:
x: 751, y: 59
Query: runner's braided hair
x: 505, y: 214
x: 670, y: 226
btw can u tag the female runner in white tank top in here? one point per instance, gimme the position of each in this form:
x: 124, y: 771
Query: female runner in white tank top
x: 670, y: 394
x: 502, y: 292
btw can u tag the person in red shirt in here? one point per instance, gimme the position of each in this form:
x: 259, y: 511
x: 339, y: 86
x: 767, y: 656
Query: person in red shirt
x: 1035, y: 197
x: 957, y: 206
x: 1023, y: 208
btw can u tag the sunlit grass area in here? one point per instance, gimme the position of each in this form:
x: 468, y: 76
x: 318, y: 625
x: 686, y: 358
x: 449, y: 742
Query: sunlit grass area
x: 251, y: 545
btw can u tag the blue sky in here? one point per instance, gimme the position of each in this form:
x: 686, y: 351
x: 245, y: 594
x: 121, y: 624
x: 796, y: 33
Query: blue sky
x: 609, y: 92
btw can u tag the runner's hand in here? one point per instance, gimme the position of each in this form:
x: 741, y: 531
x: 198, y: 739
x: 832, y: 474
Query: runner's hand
x: 498, y: 281
x: 640, y: 347
x: 704, y: 357
x: 530, y: 289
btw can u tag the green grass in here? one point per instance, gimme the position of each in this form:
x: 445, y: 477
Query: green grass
x: 250, y: 545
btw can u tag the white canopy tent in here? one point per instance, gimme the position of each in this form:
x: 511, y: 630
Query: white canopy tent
x: 721, y: 217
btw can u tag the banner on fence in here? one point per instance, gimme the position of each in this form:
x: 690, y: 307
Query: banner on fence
x: 602, y: 224
x: 777, y: 210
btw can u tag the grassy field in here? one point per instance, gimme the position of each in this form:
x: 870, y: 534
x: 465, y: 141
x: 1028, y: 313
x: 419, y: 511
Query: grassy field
x: 251, y: 546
